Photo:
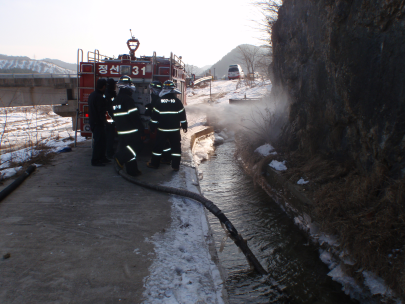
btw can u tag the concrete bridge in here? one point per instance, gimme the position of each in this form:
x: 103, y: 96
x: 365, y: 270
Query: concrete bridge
x: 58, y: 90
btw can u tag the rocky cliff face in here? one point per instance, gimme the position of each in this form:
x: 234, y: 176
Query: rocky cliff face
x: 342, y: 65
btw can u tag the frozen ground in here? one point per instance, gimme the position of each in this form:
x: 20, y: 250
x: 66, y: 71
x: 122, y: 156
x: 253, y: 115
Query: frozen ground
x: 223, y: 90
x: 24, y: 130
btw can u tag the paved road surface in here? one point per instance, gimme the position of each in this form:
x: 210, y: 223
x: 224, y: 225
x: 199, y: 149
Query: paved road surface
x: 76, y: 233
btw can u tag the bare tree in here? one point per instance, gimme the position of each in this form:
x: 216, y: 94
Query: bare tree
x: 269, y: 9
x: 190, y: 69
x: 248, y: 54
x: 263, y: 62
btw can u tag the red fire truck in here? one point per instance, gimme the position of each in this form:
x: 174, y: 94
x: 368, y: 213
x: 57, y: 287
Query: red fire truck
x: 142, y: 70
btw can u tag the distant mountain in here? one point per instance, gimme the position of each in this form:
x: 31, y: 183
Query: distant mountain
x: 62, y: 64
x: 23, y: 64
x: 192, y: 69
x: 233, y: 57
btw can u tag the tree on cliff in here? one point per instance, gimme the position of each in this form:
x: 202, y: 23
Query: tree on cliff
x: 269, y: 9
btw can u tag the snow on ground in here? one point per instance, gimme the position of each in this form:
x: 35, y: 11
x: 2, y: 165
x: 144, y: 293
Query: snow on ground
x: 302, y: 181
x: 182, y: 270
x: 202, y: 148
x: 266, y: 150
x: 22, y: 129
x: 226, y: 89
x: 279, y: 166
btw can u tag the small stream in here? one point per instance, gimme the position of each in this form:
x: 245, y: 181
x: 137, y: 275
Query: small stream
x: 296, y: 274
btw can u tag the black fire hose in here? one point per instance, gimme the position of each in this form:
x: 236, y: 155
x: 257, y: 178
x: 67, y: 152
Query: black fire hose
x: 10, y: 188
x: 235, y: 236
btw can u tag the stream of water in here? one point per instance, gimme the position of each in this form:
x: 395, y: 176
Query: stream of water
x: 296, y: 274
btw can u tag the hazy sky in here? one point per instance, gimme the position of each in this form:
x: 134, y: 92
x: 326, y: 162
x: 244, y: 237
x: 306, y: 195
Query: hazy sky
x: 201, y: 31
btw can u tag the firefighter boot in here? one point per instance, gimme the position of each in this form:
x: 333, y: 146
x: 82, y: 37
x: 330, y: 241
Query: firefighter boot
x: 132, y: 168
x: 150, y: 165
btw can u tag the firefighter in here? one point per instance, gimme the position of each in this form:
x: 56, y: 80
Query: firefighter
x: 167, y: 117
x: 155, y: 89
x: 129, y: 126
x: 97, y: 109
x: 110, y: 95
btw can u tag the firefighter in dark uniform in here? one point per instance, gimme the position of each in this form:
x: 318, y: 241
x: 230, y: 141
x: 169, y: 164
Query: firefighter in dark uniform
x: 155, y: 89
x: 110, y: 95
x: 97, y: 109
x: 167, y: 117
x: 129, y: 127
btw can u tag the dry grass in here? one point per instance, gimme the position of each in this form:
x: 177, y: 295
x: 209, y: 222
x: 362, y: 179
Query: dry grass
x: 365, y: 211
x: 44, y: 157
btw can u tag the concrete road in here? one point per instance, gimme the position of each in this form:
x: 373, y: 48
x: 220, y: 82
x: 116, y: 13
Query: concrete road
x: 76, y: 233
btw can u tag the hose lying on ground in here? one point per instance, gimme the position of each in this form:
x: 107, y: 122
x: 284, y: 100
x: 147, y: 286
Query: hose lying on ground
x: 10, y: 188
x: 235, y: 236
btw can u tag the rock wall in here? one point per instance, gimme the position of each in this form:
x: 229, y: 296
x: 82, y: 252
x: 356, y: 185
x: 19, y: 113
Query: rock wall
x: 342, y: 65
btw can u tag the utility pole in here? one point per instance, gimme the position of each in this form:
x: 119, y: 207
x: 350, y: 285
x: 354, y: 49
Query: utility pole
x: 210, y: 89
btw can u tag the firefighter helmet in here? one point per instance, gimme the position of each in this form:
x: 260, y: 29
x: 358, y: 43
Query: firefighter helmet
x: 126, y: 82
x: 169, y: 87
x: 168, y: 84
x: 155, y: 87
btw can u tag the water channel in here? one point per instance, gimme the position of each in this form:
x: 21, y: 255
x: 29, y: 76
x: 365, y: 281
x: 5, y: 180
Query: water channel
x: 296, y: 274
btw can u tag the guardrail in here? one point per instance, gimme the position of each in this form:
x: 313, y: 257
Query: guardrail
x: 37, y: 75
x: 244, y: 101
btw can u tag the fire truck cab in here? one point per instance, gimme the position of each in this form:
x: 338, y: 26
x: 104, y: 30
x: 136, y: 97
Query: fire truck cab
x: 142, y: 70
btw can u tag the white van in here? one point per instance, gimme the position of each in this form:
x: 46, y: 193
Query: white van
x: 235, y: 72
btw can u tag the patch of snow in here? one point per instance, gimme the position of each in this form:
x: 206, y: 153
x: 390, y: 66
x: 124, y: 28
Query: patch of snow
x: 265, y: 150
x: 350, y: 286
x: 375, y: 284
x: 279, y: 166
x: 202, y: 148
x: 6, y: 173
x: 302, y: 182
x: 326, y: 257
x: 331, y: 240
